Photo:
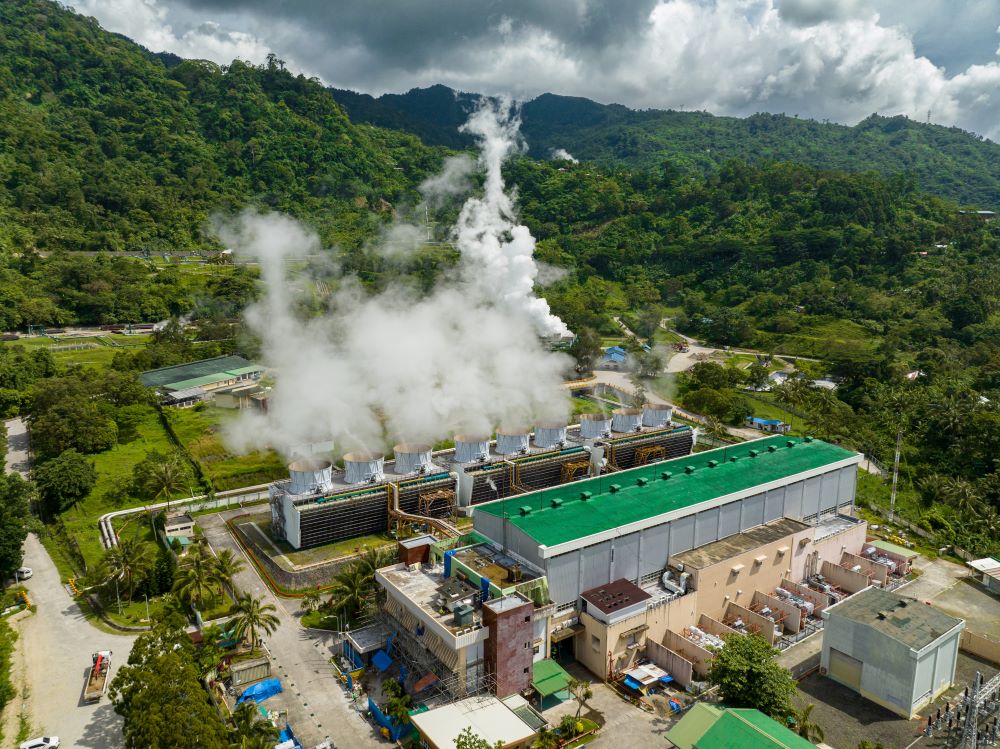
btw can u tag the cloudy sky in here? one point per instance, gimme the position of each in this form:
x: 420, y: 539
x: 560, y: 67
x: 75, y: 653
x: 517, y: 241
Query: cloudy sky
x: 827, y: 59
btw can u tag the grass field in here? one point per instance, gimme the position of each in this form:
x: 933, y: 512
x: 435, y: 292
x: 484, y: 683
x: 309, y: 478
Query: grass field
x: 819, y: 336
x: 200, y: 431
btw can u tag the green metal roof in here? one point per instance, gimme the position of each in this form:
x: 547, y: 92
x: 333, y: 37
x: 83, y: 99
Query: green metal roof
x: 624, y: 497
x: 894, y: 548
x: 195, y: 370
x: 548, y: 677
x: 749, y: 729
x: 695, y: 723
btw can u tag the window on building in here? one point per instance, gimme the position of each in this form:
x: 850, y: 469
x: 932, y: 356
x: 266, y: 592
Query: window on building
x: 632, y: 640
x: 595, y: 642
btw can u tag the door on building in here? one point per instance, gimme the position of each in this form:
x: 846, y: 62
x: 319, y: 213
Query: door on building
x: 563, y: 651
x: 845, y: 669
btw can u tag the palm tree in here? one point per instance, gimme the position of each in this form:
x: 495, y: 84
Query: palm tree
x: 715, y: 428
x: 933, y: 489
x: 227, y: 566
x: 375, y: 558
x: 546, y: 739
x: 252, y: 615
x: 165, y: 476
x: 248, y: 727
x: 311, y: 600
x: 963, y: 497
x: 581, y: 691
x: 127, y: 561
x: 195, y: 576
x: 794, y: 393
x: 349, y: 592
x: 252, y: 742
x: 803, y: 724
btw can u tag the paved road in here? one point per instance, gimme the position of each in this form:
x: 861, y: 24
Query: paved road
x: 317, y: 704
x: 18, y: 457
x: 57, y: 643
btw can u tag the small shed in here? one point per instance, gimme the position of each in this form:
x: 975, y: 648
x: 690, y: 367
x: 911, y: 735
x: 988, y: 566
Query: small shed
x: 772, y: 426
x: 179, y: 526
x: 987, y: 571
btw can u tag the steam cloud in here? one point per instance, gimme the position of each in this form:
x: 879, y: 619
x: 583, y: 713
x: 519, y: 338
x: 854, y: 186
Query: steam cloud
x: 564, y: 155
x: 392, y: 367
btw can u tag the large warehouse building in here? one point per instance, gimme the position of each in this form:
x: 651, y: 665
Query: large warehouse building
x: 628, y: 524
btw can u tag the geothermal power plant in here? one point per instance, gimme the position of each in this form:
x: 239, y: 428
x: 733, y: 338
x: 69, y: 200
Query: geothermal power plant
x: 318, y: 504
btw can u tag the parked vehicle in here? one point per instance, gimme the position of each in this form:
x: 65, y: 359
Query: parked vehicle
x: 23, y: 573
x: 42, y: 742
x: 100, y: 674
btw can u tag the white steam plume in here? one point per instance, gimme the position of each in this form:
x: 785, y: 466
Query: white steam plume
x: 561, y: 154
x: 396, y: 366
x: 497, y: 260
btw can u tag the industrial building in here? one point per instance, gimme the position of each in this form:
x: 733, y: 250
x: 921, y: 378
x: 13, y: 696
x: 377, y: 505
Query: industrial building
x: 183, y: 385
x: 318, y: 504
x: 501, y: 723
x: 658, y: 562
x: 895, y: 651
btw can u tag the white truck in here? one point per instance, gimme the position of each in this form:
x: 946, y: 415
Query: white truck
x: 100, y: 675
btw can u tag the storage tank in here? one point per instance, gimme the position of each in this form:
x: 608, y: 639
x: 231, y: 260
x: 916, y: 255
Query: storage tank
x: 364, y: 468
x: 513, y: 441
x: 471, y: 448
x: 595, y: 426
x: 310, y: 476
x: 626, y: 420
x: 656, y: 416
x: 412, y: 457
x: 552, y: 434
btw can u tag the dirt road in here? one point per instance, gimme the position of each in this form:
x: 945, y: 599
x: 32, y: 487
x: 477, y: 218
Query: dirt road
x: 57, y: 643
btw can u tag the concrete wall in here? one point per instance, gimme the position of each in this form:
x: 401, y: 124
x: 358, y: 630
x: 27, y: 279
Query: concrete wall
x: 878, y: 573
x: 819, y: 600
x: 935, y: 670
x: 673, y: 663
x: 848, y: 581
x: 699, y: 657
x: 754, y: 621
x: 791, y: 614
x: 980, y: 646
x: 717, y: 585
x: 831, y: 547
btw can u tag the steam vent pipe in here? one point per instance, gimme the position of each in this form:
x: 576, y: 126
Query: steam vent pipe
x: 594, y: 426
x: 412, y: 457
x: 552, y: 434
x: 656, y: 416
x: 471, y: 448
x: 310, y: 476
x: 364, y: 468
x: 512, y: 441
x: 626, y: 420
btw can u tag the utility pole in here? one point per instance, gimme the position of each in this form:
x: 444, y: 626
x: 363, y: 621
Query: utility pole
x: 895, y: 478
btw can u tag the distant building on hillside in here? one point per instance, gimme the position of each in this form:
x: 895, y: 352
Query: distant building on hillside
x: 773, y: 426
x: 184, y: 385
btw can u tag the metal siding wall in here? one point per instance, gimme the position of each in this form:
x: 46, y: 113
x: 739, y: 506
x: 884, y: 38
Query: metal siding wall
x: 810, y: 496
x: 563, y: 573
x: 729, y: 519
x: 753, y: 511
x: 706, y: 528
x: 655, y: 548
x: 774, y: 504
x: 596, y: 565
x: 828, y: 494
x: 626, y: 561
x: 488, y: 525
x: 682, y: 534
x: 793, y: 500
x: 848, y: 482
x: 522, y: 544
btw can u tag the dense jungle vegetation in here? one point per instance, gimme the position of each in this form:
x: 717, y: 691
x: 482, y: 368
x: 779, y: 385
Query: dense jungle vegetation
x: 105, y: 148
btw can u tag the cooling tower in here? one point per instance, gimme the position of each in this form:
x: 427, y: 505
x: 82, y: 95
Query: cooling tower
x: 310, y: 476
x: 412, y: 457
x: 471, y: 448
x: 549, y: 435
x: 656, y: 416
x: 512, y: 441
x: 626, y: 420
x: 364, y: 468
x: 595, y: 426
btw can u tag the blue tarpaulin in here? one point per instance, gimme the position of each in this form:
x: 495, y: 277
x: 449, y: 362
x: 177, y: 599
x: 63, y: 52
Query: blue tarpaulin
x: 632, y: 683
x: 390, y: 724
x: 287, y: 734
x: 260, y: 691
x: 381, y: 660
x: 666, y: 679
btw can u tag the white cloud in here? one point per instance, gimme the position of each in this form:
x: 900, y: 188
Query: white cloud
x: 835, y: 59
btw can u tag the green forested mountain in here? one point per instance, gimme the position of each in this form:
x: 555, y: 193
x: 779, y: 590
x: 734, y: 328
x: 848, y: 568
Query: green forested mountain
x: 103, y: 147
x: 945, y: 161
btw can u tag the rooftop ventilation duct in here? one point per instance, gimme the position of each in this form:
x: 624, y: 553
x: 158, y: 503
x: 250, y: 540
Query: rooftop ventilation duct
x: 657, y: 416
x: 512, y: 441
x: 550, y: 435
x: 412, y: 458
x: 310, y: 476
x: 626, y: 420
x: 595, y: 426
x: 471, y: 448
x: 364, y: 468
